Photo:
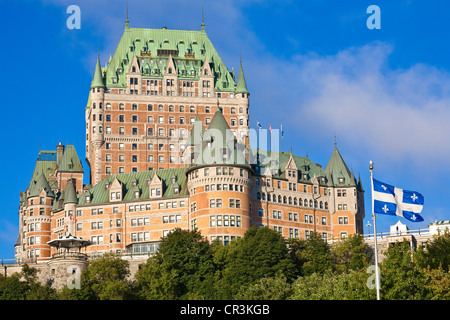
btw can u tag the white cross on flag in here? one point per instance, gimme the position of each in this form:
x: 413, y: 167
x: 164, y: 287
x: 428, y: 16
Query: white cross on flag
x: 390, y: 200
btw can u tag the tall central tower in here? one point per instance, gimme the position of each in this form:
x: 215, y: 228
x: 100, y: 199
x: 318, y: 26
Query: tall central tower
x: 143, y: 103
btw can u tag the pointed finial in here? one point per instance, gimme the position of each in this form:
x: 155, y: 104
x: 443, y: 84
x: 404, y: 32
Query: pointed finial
x: 335, y: 143
x: 127, y: 26
x: 203, y: 20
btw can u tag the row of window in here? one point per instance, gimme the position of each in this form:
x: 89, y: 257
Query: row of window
x: 170, y: 108
x: 292, y: 216
x: 225, y: 221
x: 293, y: 201
x: 225, y: 240
x: 34, y: 227
x: 224, y: 187
x: 294, y: 233
x: 32, y: 211
x: 150, y: 147
x: 217, y: 203
x: 142, y: 207
x: 291, y: 186
x: 135, y: 157
x: 219, y: 172
x: 98, y: 225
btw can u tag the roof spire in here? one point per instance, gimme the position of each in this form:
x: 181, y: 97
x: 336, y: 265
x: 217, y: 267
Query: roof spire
x: 98, y: 75
x: 203, y: 20
x: 127, y: 26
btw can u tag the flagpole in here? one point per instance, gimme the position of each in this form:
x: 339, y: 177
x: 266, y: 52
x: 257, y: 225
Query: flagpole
x: 377, y: 274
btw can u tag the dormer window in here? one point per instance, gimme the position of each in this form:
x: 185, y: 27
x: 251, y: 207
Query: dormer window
x: 176, y: 190
x: 133, y: 69
x: 88, y: 199
x: 341, y: 180
x: 136, y: 194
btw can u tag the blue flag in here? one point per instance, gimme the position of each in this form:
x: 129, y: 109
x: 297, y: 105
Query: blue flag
x: 394, y: 201
x: 259, y: 124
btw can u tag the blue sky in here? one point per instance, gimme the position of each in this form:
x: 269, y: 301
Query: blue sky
x: 384, y: 94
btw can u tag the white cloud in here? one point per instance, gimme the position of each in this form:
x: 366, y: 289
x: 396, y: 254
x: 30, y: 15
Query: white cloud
x: 400, y: 114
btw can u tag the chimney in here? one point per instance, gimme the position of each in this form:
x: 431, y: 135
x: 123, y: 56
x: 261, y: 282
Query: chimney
x: 59, y: 153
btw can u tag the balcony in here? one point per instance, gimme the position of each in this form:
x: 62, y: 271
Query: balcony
x: 70, y: 256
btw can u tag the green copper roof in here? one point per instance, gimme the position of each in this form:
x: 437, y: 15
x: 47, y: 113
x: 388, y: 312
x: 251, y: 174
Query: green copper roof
x: 98, y: 76
x: 70, y: 161
x: 100, y: 193
x: 304, y: 165
x: 337, y: 169
x: 153, y: 47
x: 241, y: 85
x: 37, y: 185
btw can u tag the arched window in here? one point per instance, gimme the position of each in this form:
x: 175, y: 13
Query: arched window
x: 290, y: 200
x: 263, y: 196
x: 321, y: 205
x: 284, y: 199
x: 300, y: 202
x: 279, y: 199
x: 258, y: 196
x: 326, y: 205
x: 170, y: 70
x: 295, y: 201
x: 310, y: 203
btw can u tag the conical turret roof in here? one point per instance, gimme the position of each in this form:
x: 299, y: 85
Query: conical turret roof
x: 241, y: 86
x: 97, y: 82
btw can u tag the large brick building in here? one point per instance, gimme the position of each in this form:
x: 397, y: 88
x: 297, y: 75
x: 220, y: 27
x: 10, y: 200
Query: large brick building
x: 167, y: 143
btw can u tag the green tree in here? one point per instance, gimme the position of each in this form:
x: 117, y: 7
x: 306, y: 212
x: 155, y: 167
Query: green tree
x: 400, y: 275
x: 438, y: 283
x: 437, y: 252
x: 274, y: 288
x: 261, y: 253
x: 11, y: 288
x: 181, y: 269
x: 331, y: 285
x: 350, y: 253
x: 311, y: 255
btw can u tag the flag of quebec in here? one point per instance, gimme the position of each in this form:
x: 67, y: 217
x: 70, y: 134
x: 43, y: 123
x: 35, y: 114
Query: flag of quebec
x: 394, y: 201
